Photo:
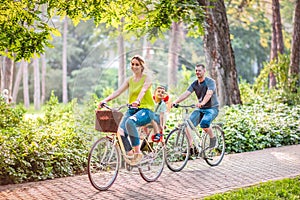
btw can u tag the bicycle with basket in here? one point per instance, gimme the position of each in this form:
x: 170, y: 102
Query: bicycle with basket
x: 107, y: 155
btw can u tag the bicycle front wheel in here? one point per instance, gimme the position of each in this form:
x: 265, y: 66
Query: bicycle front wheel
x: 153, y: 162
x: 177, y: 150
x: 103, y: 163
x: 214, y: 156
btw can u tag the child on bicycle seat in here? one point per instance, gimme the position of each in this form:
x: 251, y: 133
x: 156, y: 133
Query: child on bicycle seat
x: 160, y: 112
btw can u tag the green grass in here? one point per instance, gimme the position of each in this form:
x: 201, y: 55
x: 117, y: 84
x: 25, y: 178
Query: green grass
x: 288, y: 189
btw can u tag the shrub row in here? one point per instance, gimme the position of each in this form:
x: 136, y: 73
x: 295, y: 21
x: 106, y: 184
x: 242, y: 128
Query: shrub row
x: 261, y: 125
x: 57, y: 144
x: 43, y: 148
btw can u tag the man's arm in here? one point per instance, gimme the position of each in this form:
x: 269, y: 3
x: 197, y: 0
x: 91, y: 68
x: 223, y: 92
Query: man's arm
x: 182, y: 97
x: 206, y: 98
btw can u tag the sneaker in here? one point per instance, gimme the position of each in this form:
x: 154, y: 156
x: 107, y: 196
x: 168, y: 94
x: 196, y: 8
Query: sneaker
x: 157, y: 137
x: 193, y: 153
x: 136, y: 159
x: 213, y: 142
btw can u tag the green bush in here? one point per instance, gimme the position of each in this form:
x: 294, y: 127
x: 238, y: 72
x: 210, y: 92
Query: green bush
x: 260, y: 125
x: 43, y: 148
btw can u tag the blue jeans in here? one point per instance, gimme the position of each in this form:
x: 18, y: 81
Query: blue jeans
x: 130, y: 121
x: 204, y: 117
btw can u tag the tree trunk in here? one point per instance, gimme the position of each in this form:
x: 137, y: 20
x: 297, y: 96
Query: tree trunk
x: 295, y: 53
x: 1, y: 73
x: 7, y: 74
x: 25, y: 84
x: 174, y: 50
x: 278, y: 26
x: 277, y: 45
x: 219, y: 53
x: 122, y: 56
x: 64, y: 62
x: 43, y: 59
x: 37, y: 87
x: 17, y: 82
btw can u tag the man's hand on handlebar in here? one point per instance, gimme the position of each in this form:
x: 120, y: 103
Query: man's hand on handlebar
x: 174, y: 105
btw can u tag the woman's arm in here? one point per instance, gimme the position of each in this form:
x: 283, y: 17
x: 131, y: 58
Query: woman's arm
x: 115, y: 94
x: 145, y: 87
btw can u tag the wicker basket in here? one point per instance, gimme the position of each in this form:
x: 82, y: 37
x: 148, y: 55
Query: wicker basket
x: 107, y: 120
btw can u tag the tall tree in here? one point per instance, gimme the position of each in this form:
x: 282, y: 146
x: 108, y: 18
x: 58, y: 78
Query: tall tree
x: 174, y: 50
x: 37, y: 84
x: 17, y: 82
x: 7, y: 74
x: 219, y: 53
x: 277, y: 45
x: 43, y: 77
x: 295, y: 53
x: 43, y: 59
x: 122, y: 56
x: 25, y: 83
x: 64, y: 61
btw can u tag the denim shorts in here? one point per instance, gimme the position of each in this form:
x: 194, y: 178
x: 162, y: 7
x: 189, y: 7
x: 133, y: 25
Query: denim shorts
x: 204, y: 117
x: 143, y: 116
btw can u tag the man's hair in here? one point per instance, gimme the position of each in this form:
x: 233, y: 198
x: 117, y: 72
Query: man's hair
x: 201, y: 65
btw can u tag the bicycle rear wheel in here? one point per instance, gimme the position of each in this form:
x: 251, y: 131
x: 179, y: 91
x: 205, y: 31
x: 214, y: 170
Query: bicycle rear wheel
x: 214, y: 156
x: 153, y: 162
x: 177, y: 150
x: 103, y: 163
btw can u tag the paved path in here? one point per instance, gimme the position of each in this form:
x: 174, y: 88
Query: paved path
x: 196, y: 181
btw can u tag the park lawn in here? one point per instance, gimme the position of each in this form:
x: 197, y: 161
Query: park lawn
x: 288, y: 189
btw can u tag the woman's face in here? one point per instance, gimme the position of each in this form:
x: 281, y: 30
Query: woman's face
x: 136, y: 66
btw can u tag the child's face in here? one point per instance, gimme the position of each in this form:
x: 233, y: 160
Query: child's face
x: 160, y: 93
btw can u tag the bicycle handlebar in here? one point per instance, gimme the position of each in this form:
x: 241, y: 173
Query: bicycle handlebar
x: 184, y: 106
x: 116, y: 109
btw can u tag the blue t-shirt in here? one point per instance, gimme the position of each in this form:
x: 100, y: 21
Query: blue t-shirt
x: 201, y: 88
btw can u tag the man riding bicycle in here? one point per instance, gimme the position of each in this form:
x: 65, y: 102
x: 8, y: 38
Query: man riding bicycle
x: 207, y: 106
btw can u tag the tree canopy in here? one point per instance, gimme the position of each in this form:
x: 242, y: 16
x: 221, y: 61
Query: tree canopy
x: 26, y: 26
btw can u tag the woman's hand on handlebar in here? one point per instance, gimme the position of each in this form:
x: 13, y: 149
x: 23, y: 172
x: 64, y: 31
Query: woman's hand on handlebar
x: 135, y: 104
x: 102, y: 104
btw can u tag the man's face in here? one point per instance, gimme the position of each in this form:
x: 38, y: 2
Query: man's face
x: 200, y: 72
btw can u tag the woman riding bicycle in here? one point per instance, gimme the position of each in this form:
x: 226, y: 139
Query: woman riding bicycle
x: 140, y: 113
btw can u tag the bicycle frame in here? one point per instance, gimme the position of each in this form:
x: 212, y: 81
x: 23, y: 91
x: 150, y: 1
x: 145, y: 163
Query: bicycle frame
x: 192, y: 132
x: 180, y: 140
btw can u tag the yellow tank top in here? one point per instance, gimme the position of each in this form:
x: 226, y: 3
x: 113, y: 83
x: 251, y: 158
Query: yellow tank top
x: 134, y: 91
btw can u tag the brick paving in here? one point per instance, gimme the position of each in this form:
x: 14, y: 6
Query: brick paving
x: 195, y: 181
